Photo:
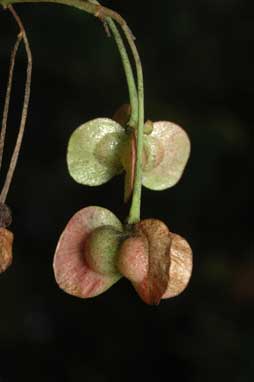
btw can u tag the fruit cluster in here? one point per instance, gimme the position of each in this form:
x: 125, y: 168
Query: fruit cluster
x: 95, y: 250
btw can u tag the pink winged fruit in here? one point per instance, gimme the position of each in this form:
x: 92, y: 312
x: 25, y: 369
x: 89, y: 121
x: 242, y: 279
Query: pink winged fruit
x: 95, y: 251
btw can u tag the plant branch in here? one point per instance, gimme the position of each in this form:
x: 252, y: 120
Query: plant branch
x: 89, y: 6
x: 17, y: 147
x: 8, y: 96
x: 84, y: 5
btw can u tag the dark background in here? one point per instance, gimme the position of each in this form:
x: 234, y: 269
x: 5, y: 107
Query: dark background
x: 198, y: 72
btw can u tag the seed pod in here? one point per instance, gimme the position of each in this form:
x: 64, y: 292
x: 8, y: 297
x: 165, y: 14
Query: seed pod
x: 6, y: 241
x: 76, y: 270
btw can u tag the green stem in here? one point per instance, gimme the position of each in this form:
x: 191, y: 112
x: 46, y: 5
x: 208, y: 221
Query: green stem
x: 133, y: 121
x: 134, y: 214
x: 104, y: 13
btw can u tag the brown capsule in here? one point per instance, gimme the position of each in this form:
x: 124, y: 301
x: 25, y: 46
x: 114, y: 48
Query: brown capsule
x: 6, y: 240
x: 156, y: 261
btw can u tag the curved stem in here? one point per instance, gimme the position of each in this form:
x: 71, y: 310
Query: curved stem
x: 133, y: 121
x: 17, y: 147
x: 134, y: 214
x: 128, y: 73
x: 8, y: 96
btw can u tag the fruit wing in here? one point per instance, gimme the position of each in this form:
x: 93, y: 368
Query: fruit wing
x: 174, y: 150
x: 71, y: 270
x: 93, y: 151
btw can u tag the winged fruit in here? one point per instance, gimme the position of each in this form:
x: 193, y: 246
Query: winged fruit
x: 95, y: 251
x: 102, y: 148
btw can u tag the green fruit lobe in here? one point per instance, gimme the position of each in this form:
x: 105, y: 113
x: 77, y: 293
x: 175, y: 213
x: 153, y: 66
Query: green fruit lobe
x: 101, y: 250
x: 107, y: 151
